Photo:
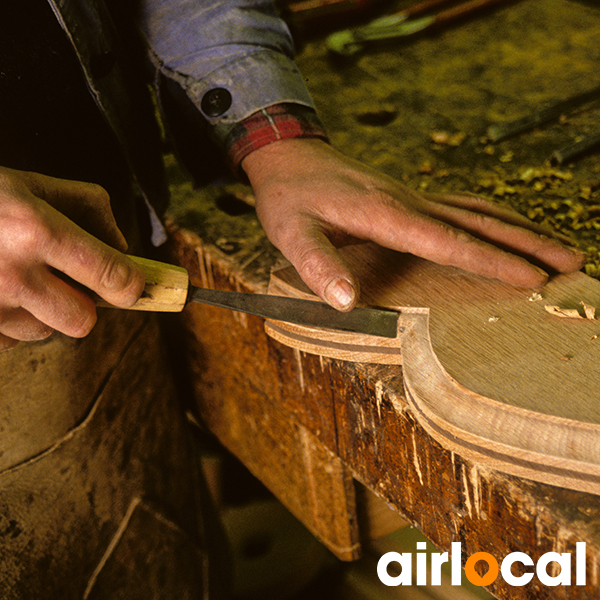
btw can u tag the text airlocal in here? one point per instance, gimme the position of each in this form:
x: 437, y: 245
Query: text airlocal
x: 568, y: 570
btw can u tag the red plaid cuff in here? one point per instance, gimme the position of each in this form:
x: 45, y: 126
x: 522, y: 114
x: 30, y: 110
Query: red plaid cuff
x: 278, y: 122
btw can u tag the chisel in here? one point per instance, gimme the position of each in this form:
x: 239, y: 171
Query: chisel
x: 168, y: 290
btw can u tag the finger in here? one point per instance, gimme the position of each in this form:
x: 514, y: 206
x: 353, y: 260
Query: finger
x: 439, y: 242
x: 19, y: 324
x: 457, y: 248
x: 92, y: 263
x: 321, y: 266
x: 58, y: 305
x: 7, y: 343
x: 87, y: 204
x: 481, y: 205
x: 493, y: 209
x: 538, y: 247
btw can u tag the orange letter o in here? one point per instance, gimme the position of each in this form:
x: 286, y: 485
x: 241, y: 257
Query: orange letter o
x: 474, y: 577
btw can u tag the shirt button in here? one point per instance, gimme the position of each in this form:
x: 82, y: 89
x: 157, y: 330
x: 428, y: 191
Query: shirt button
x: 216, y: 102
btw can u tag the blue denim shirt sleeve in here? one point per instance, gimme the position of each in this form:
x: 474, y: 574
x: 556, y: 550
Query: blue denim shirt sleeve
x: 241, y: 46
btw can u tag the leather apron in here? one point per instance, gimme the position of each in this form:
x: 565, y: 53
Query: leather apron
x: 99, y: 489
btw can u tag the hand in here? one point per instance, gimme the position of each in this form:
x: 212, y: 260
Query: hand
x: 311, y: 199
x: 38, y: 243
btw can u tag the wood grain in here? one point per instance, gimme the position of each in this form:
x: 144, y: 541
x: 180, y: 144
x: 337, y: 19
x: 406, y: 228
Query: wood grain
x: 251, y: 390
x: 166, y: 287
x: 489, y: 372
x: 487, y: 71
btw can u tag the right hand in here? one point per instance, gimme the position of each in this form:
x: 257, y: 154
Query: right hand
x: 38, y: 241
x: 311, y: 199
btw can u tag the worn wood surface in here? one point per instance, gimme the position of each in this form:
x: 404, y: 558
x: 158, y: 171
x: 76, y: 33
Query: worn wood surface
x: 490, y: 373
x: 287, y: 457
x: 382, y: 109
x: 253, y: 390
x: 166, y: 287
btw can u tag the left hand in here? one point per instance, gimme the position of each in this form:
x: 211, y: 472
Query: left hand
x: 310, y: 199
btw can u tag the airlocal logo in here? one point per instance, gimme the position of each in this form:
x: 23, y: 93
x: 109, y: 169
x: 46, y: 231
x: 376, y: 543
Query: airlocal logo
x: 405, y: 577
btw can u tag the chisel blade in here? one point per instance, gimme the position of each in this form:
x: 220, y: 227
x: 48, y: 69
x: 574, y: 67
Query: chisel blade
x: 370, y: 321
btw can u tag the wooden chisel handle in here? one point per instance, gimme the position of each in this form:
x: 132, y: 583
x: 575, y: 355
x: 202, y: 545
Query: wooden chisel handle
x: 166, y: 287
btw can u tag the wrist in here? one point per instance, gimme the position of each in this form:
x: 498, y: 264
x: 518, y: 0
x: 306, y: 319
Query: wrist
x: 270, y: 126
x: 282, y: 156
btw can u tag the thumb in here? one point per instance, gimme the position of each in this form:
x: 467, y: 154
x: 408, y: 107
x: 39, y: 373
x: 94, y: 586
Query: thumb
x: 324, y: 270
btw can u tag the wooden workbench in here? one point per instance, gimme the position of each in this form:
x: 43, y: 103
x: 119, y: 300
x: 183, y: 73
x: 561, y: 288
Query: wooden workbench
x: 311, y: 428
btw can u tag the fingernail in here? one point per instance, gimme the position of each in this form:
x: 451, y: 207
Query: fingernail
x: 577, y: 252
x: 340, y: 293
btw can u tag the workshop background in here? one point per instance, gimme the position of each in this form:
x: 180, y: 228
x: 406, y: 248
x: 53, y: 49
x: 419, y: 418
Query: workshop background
x: 436, y: 109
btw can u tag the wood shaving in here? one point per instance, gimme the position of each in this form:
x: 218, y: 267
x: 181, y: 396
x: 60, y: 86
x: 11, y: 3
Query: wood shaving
x: 425, y: 167
x: 590, y: 311
x: 569, y: 313
x: 443, y: 138
x: 572, y: 313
